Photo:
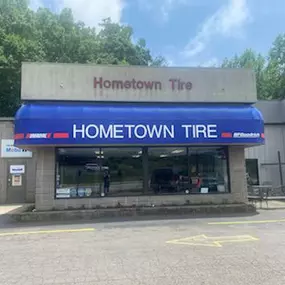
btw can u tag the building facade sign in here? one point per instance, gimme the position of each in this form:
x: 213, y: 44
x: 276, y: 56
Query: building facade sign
x: 109, y: 125
x: 17, y: 169
x: 90, y: 133
x: 78, y: 82
x: 134, y: 84
x: 8, y: 150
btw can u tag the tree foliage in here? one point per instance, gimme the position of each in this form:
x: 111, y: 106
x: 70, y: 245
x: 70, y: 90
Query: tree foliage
x: 269, y: 69
x: 252, y: 60
x: 26, y: 35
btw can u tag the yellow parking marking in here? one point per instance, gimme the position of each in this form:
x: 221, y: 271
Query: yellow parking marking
x: 247, y: 222
x: 279, y: 203
x: 47, y: 232
x: 217, y: 241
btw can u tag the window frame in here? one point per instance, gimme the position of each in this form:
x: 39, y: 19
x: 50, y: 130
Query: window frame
x: 145, y: 168
x: 257, y: 168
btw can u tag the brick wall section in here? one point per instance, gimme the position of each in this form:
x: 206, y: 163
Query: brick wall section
x: 6, y: 132
x: 238, y: 174
x: 31, y: 178
x: 46, y: 185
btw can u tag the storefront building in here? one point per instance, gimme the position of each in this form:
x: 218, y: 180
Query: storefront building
x: 17, y: 168
x: 265, y: 163
x: 106, y: 136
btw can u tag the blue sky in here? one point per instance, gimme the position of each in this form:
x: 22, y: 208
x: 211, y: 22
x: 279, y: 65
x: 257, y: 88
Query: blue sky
x: 188, y: 32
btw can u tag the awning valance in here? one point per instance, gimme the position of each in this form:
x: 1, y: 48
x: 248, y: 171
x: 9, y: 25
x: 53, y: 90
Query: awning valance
x: 130, y: 124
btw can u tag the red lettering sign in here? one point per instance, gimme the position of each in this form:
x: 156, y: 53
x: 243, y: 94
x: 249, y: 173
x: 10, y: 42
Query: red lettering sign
x: 175, y: 84
x: 126, y: 84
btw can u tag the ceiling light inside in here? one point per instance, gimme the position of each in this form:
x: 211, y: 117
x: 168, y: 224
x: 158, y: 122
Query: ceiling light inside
x: 163, y: 155
x: 176, y: 151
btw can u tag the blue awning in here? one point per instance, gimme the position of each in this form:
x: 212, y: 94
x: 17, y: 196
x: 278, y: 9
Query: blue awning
x: 130, y: 124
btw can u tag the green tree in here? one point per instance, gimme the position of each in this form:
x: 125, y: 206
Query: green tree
x: 17, y: 43
x: 116, y: 46
x: 270, y: 70
x: 26, y: 35
x: 252, y: 60
x: 276, y: 69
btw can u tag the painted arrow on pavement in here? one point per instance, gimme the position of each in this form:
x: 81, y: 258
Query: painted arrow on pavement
x: 203, y: 240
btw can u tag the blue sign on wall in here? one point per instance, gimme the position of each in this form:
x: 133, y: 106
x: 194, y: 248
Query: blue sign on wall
x: 128, y: 124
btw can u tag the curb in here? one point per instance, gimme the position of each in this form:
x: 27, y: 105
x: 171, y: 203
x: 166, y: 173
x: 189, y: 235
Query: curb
x: 93, y: 214
x: 271, y: 208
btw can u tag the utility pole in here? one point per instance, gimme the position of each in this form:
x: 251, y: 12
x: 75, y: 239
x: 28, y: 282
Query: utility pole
x: 280, y: 169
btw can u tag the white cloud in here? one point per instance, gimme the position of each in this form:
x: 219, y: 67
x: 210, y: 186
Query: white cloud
x: 228, y: 21
x: 212, y: 62
x: 146, y: 4
x: 35, y: 4
x: 168, y: 5
x: 91, y: 12
x: 170, y: 62
x: 163, y: 8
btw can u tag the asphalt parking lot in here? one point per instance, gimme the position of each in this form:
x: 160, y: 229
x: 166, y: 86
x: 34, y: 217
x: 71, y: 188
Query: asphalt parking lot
x: 214, y: 251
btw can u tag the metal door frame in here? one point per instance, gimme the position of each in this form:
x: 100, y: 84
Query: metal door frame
x: 16, y: 161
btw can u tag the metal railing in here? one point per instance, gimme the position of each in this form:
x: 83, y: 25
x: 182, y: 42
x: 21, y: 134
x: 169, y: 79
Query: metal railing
x: 264, y: 193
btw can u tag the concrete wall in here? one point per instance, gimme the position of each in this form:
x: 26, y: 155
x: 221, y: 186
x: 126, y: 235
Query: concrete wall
x: 45, y: 188
x: 274, y: 118
x: 75, y: 82
x: 7, y: 132
x: 272, y: 111
x: 267, y: 154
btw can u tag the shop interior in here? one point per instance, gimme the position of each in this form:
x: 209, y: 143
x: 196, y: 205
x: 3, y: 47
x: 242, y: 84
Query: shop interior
x: 87, y: 172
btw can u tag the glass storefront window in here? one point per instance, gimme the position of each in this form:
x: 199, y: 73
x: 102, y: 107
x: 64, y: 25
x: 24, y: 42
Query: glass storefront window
x: 167, y: 169
x: 208, y: 169
x: 125, y: 171
x: 78, y: 172
x: 94, y: 172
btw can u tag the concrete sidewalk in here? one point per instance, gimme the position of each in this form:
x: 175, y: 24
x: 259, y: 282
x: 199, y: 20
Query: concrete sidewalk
x: 14, y: 208
x: 23, y: 213
x: 270, y: 205
x: 6, y: 209
x: 131, y: 212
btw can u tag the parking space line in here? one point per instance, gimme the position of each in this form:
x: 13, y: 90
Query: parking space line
x: 47, y: 232
x: 214, y: 241
x: 247, y: 222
